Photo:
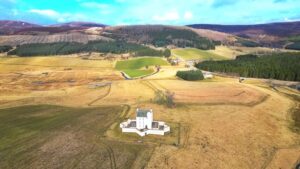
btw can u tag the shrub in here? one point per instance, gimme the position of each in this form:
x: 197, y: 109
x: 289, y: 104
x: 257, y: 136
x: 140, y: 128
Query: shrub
x: 166, y: 98
x: 191, y: 75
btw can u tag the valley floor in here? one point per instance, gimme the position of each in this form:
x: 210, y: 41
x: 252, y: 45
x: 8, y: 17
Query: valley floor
x: 59, y: 114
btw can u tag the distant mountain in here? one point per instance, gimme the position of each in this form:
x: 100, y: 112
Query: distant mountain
x: 282, y: 35
x: 282, y: 29
x: 79, y: 24
x: 25, y: 28
x: 272, y: 34
x: 9, y: 27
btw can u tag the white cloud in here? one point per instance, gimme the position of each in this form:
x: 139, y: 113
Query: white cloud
x: 45, y: 12
x: 59, y: 17
x: 188, y: 15
x: 168, y: 16
x: 286, y: 19
x: 61, y: 20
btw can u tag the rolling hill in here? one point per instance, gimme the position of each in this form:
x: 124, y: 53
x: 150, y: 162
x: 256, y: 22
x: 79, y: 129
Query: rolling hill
x: 79, y: 24
x: 10, y: 27
x: 160, y: 36
x: 23, y: 28
x: 281, y: 29
x: 201, y: 36
x: 271, y: 34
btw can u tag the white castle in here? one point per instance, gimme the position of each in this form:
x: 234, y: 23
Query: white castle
x: 144, y: 124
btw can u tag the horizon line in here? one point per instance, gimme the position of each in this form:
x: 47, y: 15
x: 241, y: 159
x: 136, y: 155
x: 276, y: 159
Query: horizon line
x: 45, y: 25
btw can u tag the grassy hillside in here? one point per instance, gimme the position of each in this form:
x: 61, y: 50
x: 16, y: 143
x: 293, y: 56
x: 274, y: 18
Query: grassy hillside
x: 192, y: 53
x: 133, y: 67
x: 62, y: 137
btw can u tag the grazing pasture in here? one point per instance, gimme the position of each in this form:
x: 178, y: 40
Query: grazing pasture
x: 140, y: 63
x: 140, y: 66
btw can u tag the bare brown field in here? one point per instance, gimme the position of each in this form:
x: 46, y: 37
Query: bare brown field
x: 217, y: 123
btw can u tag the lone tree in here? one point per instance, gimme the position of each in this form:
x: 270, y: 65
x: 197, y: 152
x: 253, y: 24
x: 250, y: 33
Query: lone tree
x: 167, y: 53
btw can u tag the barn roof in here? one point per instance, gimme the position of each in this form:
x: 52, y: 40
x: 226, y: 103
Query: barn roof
x: 142, y: 112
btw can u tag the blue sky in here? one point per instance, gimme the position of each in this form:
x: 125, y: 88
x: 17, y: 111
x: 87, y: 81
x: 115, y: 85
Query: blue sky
x: 129, y: 12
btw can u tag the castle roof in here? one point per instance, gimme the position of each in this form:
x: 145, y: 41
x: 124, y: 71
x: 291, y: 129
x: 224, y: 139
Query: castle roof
x: 142, y: 112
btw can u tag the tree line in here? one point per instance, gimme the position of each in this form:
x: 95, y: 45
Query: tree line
x: 281, y: 66
x: 63, y: 48
x: 190, y: 75
x: 294, y: 46
x: 5, y: 48
x: 247, y: 43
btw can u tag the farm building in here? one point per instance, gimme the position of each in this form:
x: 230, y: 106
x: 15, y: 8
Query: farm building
x: 144, y: 124
x: 207, y: 75
x: 174, y: 62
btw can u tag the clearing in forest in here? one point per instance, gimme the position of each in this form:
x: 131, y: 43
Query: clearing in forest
x: 196, y: 54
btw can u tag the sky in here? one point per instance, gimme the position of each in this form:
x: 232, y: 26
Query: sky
x: 136, y: 12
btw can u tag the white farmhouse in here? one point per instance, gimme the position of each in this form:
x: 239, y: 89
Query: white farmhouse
x: 144, y: 124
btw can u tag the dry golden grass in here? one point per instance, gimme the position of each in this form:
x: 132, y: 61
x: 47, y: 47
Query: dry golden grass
x: 226, y: 52
x: 226, y: 136
x: 14, y: 64
x: 167, y: 72
x: 224, y: 124
x: 211, y: 93
x: 128, y: 92
x: 259, y: 50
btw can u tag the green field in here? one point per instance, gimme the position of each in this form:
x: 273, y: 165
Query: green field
x: 196, y: 54
x: 136, y: 67
x: 46, y: 136
x: 137, y: 72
